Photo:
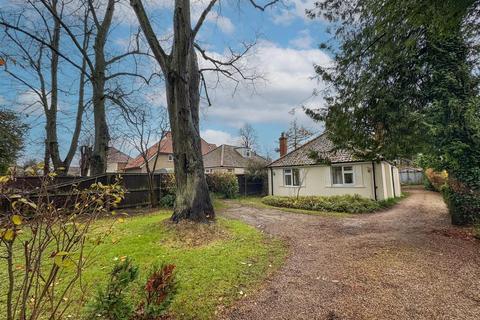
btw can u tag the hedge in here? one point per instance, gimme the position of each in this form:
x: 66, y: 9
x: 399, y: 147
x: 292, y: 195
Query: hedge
x: 224, y: 184
x: 345, y: 203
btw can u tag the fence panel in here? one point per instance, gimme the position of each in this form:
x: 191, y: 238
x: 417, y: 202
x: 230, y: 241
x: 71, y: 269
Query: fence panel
x: 251, y: 186
x: 411, y: 176
x: 61, y: 190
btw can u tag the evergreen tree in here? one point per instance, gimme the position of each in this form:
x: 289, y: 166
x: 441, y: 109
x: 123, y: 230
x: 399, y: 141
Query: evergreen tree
x: 12, y: 132
x: 403, y: 82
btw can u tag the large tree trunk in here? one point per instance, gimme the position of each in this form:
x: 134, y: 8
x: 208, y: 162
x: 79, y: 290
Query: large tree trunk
x: 98, y: 164
x: 51, y: 112
x: 51, y: 146
x: 99, y: 156
x: 183, y: 97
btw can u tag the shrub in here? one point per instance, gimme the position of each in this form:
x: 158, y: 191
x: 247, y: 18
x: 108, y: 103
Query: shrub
x: 46, y: 242
x: 463, y: 203
x: 167, y: 201
x: 159, y: 291
x: 225, y: 184
x: 436, y: 180
x: 110, y: 303
x: 345, y: 203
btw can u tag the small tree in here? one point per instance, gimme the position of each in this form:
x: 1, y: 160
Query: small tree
x: 12, y: 132
x: 248, y: 136
x: 297, y: 135
x: 145, y: 128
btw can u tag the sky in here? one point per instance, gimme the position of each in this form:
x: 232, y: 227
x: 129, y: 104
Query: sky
x: 285, y: 52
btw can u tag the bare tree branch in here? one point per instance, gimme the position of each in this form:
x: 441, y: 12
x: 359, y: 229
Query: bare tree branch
x: 202, y: 18
x: 152, y: 39
x: 31, y: 35
x: 262, y: 8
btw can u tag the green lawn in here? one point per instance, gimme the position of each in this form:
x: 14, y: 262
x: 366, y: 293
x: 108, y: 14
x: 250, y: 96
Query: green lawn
x: 211, y: 273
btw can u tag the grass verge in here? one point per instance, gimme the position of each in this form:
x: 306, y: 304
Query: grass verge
x: 215, y: 264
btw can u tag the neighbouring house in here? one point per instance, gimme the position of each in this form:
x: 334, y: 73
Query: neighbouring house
x: 74, y: 171
x: 226, y: 158
x: 116, y: 160
x: 164, y: 163
x: 299, y: 173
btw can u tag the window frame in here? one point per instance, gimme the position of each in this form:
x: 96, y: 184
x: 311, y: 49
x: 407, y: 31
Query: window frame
x: 295, y: 183
x: 351, y: 171
x: 170, y: 157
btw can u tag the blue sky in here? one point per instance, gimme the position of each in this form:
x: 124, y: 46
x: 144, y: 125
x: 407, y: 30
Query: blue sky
x: 286, y: 49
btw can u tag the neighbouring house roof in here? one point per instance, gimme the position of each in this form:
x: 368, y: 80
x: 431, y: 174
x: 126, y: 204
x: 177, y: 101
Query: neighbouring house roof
x: 166, y: 147
x: 73, y: 171
x: 229, y: 156
x: 114, y: 155
x: 322, y: 145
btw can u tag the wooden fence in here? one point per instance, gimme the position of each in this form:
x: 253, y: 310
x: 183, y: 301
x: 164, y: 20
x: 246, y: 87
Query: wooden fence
x: 135, y: 185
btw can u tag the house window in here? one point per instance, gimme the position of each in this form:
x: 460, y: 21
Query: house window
x: 170, y: 157
x: 229, y: 170
x: 248, y: 153
x: 342, y: 175
x: 208, y: 170
x: 291, y: 177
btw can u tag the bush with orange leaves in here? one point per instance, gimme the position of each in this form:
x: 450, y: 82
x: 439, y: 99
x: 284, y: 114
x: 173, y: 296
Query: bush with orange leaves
x: 436, y: 180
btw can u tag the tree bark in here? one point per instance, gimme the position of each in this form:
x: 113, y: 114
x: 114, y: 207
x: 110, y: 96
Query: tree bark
x: 99, y: 156
x: 51, y: 112
x: 183, y: 97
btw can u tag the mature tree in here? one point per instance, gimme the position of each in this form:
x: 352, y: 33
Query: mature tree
x: 69, y: 27
x: 404, y: 82
x: 297, y: 135
x: 12, y: 132
x: 182, y: 80
x: 248, y: 136
x: 35, y: 66
x: 146, y: 132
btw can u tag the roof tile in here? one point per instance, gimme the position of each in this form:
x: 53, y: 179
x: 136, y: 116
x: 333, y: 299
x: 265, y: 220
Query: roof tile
x: 166, y: 147
x: 322, y: 145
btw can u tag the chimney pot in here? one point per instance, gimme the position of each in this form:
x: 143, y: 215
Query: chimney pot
x: 283, y: 144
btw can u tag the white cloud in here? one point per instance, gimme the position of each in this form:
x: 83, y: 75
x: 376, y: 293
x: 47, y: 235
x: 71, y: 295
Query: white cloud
x: 223, y: 23
x: 293, y: 9
x: 29, y: 102
x: 303, y: 41
x: 288, y: 86
x: 163, y: 9
x: 218, y: 137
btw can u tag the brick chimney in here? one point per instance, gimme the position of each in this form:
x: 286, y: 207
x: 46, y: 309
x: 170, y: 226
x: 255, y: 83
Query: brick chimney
x: 283, y: 145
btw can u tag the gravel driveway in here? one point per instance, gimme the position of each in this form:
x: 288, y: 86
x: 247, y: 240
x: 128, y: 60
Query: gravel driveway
x: 403, y: 263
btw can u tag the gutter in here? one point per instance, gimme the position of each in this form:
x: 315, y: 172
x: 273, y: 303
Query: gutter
x: 374, y: 181
x: 271, y: 178
x: 393, y: 182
